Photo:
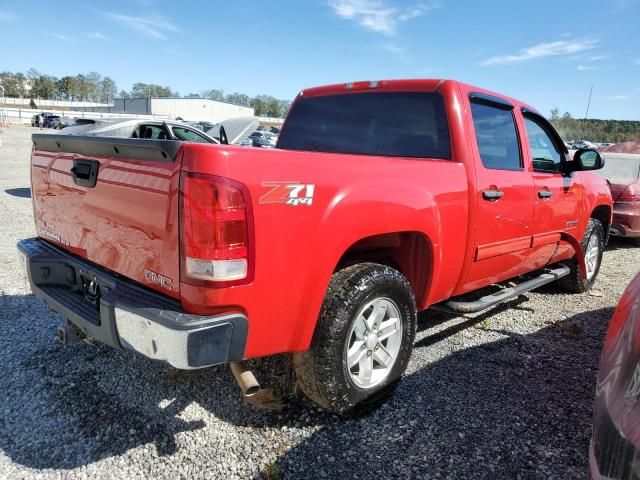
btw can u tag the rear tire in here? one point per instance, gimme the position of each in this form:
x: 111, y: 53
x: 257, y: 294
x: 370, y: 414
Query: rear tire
x: 363, y: 339
x: 593, y: 238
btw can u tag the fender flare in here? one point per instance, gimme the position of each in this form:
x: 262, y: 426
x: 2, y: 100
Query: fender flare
x: 577, y: 246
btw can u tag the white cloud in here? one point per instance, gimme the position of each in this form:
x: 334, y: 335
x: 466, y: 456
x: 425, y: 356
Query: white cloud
x: 583, y: 68
x: 97, y: 36
x: 377, y: 16
x: 551, y: 49
x: 6, y: 16
x: 59, y: 36
x: 596, y: 58
x: 155, y: 26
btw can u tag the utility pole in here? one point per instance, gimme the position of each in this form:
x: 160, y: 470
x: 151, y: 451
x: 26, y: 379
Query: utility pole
x: 2, y: 101
x: 586, y: 115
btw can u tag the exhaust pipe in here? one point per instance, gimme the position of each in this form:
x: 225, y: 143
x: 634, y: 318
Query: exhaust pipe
x: 245, y: 378
x: 68, y: 333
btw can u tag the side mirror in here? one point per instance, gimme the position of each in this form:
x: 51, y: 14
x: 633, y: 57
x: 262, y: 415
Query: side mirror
x: 585, y: 159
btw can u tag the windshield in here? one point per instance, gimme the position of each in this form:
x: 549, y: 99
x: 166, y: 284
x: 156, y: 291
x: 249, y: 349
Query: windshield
x: 402, y: 124
x: 620, y: 168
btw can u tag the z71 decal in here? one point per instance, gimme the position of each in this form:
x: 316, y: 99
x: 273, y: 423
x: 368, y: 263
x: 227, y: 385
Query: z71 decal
x: 289, y: 193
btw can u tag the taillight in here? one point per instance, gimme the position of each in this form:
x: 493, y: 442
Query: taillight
x: 629, y: 195
x: 217, y: 231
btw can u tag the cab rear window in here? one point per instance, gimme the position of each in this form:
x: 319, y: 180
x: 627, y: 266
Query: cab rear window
x: 398, y: 124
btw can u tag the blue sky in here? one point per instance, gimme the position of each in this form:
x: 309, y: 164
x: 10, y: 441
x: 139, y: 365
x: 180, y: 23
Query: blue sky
x: 547, y: 53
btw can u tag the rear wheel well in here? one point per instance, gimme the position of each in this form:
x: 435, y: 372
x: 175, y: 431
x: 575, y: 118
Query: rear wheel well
x: 602, y: 213
x: 408, y: 252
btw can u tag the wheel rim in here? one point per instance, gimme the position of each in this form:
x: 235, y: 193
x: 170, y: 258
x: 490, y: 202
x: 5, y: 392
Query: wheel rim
x: 591, y: 256
x: 373, y: 343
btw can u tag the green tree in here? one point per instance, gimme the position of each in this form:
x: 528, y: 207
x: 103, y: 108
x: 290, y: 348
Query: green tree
x: 214, y: 94
x: 43, y: 86
x: 143, y: 90
x: 108, y: 90
x: 238, y: 99
x: 94, y: 81
x: 67, y: 87
x: 84, y: 88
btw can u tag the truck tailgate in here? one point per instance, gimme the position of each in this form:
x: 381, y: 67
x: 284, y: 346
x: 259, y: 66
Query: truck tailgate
x: 126, y: 222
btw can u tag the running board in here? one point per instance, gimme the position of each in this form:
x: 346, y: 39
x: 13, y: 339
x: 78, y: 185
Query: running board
x: 505, y: 294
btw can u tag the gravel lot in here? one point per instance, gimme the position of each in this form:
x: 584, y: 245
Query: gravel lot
x: 505, y: 394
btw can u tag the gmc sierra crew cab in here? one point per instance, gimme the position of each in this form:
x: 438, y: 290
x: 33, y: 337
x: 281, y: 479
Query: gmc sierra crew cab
x: 382, y: 199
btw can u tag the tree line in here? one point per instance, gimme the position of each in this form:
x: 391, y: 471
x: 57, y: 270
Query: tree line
x: 94, y: 87
x: 594, y: 130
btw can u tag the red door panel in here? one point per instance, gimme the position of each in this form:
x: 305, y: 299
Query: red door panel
x: 504, y: 196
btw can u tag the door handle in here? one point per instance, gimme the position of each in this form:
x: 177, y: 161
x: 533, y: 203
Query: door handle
x: 492, y: 195
x: 85, y: 172
x: 544, y: 194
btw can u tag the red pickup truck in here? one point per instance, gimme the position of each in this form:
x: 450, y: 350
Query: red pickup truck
x: 381, y: 199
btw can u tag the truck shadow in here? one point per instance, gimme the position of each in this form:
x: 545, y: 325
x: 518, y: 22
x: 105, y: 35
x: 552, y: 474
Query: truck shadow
x: 69, y: 406
x: 519, y: 407
x: 620, y: 243
x: 19, y: 192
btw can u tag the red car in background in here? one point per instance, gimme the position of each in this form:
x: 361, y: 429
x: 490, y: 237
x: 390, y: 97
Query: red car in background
x: 622, y: 172
x: 615, y: 444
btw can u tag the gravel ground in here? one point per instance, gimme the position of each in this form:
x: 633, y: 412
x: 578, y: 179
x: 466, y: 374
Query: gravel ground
x: 504, y: 394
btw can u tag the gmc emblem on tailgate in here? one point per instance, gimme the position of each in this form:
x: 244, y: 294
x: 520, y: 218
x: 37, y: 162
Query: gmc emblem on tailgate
x: 156, y: 278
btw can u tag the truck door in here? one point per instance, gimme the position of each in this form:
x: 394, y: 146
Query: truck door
x: 557, y: 196
x: 504, y: 194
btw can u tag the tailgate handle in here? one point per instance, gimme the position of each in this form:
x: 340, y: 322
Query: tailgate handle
x: 85, y: 172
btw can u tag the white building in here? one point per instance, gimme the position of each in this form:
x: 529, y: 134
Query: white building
x: 189, y: 109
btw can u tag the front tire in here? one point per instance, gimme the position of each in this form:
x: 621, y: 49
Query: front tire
x: 363, y: 339
x: 593, y: 248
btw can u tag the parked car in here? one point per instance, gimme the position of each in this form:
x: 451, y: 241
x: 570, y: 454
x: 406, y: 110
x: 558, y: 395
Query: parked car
x: 583, y: 144
x: 614, y: 451
x: 59, y: 123
x: 262, y: 139
x: 622, y: 172
x: 376, y: 205
x: 49, y: 119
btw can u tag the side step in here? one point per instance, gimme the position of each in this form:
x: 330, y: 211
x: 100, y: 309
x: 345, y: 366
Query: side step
x: 505, y: 294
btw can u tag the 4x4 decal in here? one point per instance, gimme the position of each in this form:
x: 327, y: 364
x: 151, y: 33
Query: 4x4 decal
x: 289, y: 193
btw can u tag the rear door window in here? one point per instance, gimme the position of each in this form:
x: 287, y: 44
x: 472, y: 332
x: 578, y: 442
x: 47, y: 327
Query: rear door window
x: 399, y: 124
x: 496, y: 136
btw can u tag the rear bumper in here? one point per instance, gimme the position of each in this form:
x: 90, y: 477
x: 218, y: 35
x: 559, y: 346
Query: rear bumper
x: 126, y: 315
